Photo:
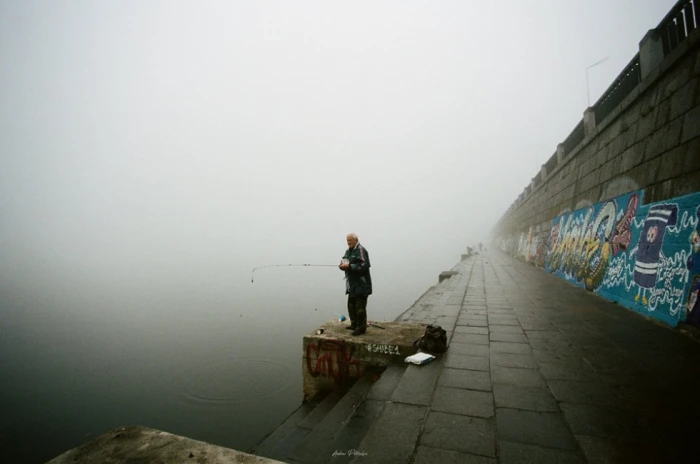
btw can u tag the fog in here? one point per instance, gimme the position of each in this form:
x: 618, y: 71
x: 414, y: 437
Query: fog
x: 153, y: 153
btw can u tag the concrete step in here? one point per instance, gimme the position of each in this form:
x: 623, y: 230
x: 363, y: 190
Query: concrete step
x: 315, y: 448
x: 393, y: 436
x: 267, y: 445
x: 347, y: 441
x: 385, y: 386
x: 285, y: 448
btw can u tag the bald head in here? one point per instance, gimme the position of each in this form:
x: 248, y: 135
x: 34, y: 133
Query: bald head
x: 352, y: 240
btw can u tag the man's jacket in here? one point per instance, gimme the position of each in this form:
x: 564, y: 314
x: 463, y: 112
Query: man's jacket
x: 358, y: 279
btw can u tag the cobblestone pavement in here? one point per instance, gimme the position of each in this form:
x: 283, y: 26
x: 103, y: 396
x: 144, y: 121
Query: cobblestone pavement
x: 541, y: 371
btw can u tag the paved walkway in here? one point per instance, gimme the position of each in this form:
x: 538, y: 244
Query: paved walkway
x: 541, y: 371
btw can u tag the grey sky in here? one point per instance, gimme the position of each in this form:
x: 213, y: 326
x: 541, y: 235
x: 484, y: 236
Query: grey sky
x: 195, y: 139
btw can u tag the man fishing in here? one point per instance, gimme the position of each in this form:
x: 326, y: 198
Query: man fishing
x: 358, y: 283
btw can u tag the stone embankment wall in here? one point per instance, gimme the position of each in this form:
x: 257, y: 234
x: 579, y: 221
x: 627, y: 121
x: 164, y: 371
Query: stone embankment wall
x: 616, y: 209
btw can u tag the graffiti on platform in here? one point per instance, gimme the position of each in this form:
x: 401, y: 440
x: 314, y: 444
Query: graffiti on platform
x: 644, y: 257
x: 384, y: 349
x: 333, y: 359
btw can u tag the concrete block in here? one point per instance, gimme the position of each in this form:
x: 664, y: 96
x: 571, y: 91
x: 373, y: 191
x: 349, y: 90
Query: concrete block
x: 686, y: 184
x: 631, y: 157
x: 520, y: 453
x: 393, y: 436
x: 461, y: 401
x: 530, y: 399
x: 682, y: 100
x: 674, y: 80
x: 671, y: 163
x: 691, y: 125
x: 646, y: 125
x: 659, y: 192
x: 589, y: 122
x: 600, y: 158
x: 630, y: 136
x: 617, y: 146
x: 644, y: 174
x: 417, y: 384
x: 667, y: 137
x: 459, y: 433
x: 651, y: 52
x: 134, y: 444
x: 663, y: 114
x: 609, y: 170
x: 461, y: 378
x: 549, y: 430
x: 691, y: 161
x: 335, y: 358
x: 673, y: 136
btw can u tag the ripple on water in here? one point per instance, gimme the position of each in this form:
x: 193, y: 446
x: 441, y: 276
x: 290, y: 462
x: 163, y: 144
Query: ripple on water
x: 232, y: 380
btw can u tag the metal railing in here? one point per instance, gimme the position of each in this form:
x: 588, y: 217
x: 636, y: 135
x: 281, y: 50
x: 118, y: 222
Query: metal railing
x: 626, y: 81
x: 678, y: 24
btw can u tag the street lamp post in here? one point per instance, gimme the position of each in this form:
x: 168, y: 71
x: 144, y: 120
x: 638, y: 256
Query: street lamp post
x: 588, y: 92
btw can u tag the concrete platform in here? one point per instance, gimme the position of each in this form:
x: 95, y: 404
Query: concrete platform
x: 335, y: 359
x: 132, y: 445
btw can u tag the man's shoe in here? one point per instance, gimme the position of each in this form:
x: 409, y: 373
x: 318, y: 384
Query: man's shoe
x: 351, y: 327
x: 359, y: 331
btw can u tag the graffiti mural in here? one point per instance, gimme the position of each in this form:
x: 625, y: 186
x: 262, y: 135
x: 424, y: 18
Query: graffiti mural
x: 644, y: 257
x: 693, y: 266
x: 532, y: 247
x: 333, y: 359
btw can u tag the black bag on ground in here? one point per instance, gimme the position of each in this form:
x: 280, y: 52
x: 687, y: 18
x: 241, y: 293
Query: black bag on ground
x: 434, y: 340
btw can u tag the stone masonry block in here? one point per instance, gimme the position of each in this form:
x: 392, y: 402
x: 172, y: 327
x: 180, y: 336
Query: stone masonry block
x: 691, y: 125
x: 682, y: 100
x: 663, y: 114
x: 631, y: 157
x: 673, y: 81
x: 664, y: 139
x: 630, y: 136
x: 691, y: 160
x: 616, y: 147
x: 672, y: 163
x: 609, y: 170
x: 645, y: 174
x: 645, y: 125
x: 601, y: 157
x: 686, y: 184
x: 659, y: 192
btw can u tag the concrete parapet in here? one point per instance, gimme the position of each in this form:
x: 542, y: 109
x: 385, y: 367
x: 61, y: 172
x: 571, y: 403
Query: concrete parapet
x: 589, y: 122
x: 334, y: 359
x: 140, y: 444
x: 651, y: 52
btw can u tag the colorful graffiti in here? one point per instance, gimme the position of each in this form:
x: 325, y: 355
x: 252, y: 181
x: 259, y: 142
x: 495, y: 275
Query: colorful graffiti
x: 533, y: 246
x: 647, y: 258
x: 333, y: 359
x: 693, y: 266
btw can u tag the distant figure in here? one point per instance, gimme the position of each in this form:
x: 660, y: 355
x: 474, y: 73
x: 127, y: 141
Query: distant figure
x: 480, y: 246
x: 358, y: 283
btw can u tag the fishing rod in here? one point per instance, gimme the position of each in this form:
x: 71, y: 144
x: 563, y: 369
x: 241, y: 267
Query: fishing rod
x: 284, y: 265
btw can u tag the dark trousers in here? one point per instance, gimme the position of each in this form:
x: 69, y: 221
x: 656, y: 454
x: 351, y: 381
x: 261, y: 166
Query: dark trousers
x: 357, y: 310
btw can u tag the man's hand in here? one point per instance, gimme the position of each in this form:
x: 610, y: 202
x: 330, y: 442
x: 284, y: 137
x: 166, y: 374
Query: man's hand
x: 344, y: 266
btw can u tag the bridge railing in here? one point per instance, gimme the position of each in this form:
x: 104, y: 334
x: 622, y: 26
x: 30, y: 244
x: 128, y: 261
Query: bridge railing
x: 678, y: 24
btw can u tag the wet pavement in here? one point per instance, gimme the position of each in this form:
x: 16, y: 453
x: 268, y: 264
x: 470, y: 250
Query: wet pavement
x: 541, y: 371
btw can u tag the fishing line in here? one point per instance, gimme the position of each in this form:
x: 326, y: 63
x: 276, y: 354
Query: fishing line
x: 285, y: 265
